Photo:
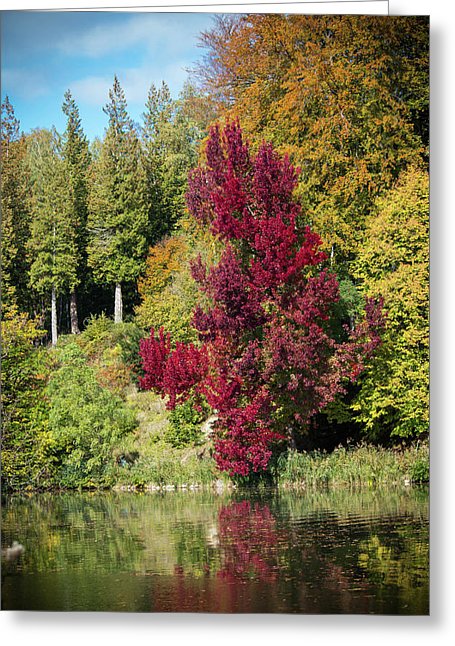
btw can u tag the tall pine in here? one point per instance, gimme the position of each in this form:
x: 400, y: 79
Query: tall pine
x: 52, y: 244
x: 76, y: 160
x: 170, y: 139
x: 118, y: 214
x: 14, y: 208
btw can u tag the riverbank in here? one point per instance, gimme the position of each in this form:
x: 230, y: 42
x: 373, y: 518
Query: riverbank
x: 362, y: 466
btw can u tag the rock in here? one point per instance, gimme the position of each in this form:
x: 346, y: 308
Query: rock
x: 207, y: 426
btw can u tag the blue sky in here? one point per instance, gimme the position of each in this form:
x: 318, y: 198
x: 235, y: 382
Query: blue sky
x: 45, y: 53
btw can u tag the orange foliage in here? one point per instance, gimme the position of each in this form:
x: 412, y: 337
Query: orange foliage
x: 345, y: 96
x: 164, y: 259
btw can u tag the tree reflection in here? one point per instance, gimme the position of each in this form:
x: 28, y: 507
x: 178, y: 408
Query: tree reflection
x: 273, y: 552
x: 248, y: 539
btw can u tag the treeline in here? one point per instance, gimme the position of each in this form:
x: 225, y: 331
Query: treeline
x: 103, y: 227
x: 78, y: 218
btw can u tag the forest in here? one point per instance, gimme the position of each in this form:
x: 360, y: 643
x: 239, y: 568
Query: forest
x: 236, y: 288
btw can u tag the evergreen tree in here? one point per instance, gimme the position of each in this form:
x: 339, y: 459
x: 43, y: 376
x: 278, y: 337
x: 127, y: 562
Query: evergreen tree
x: 15, y: 215
x: 118, y: 218
x: 169, y: 139
x: 76, y: 158
x: 52, y: 244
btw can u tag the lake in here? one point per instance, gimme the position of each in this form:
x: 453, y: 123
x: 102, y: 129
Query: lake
x: 339, y: 551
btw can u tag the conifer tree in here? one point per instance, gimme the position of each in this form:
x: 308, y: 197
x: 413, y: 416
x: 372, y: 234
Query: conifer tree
x: 76, y: 158
x: 15, y: 215
x: 169, y: 140
x: 118, y: 218
x: 52, y: 244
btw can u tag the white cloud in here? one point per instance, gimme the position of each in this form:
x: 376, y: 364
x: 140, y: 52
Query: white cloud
x: 24, y: 83
x: 155, y: 31
x: 135, y: 81
x: 93, y: 90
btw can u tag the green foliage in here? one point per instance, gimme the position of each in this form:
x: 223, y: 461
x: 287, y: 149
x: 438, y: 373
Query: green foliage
x: 185, y: 422
x: 170, y: 141
x: 76, y: 157
x: 26, y: 440
x: 118, y: 217
x: 394, y: 262
x: 52, y: 245
x: 102, y: 337
x: 167, y: 466
x: 86, y: 421
x: 15, y: 216
x: 361, y: 465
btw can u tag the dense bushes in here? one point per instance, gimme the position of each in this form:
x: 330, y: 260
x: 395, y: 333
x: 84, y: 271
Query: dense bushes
x: 26, y: 443
x: 86, y: 421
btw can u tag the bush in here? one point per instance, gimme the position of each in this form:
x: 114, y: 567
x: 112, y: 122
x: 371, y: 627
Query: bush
x: 185, y: 424
x: 86, y: 421
x: 26, y: 442
x: 113, y: 350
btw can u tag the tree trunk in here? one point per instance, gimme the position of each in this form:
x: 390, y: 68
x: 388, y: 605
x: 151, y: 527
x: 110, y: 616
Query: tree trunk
x: 118, y: 307
x: 54, y: 317
x: 73, y: 313
x: 291, y: 439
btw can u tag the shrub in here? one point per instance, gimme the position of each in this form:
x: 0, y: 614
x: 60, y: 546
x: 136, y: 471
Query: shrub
x: 85, y: 419
x: 185, y: 424
x: 26, y: 442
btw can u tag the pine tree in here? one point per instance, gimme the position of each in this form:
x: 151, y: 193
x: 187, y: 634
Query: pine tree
x: 76, y: 158
x: 15, y: 215
x: 118, y: 217
x: 52, y: 244
x: 169, y: 141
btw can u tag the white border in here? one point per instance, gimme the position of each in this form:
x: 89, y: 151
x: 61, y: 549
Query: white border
x: 220, y: 630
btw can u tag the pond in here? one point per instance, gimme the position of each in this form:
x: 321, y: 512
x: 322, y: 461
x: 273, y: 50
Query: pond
x: 313, y: 552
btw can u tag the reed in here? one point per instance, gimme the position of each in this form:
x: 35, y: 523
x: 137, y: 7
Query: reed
x: 358, y: 465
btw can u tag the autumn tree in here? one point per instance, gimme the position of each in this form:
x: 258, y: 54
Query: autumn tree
x: 394, y: 262
x: 76, y: 158
x: 345, y: 96
x: 267, y: 362
x: 118, y: 213
x: 14, y: 208
x: 52, y: 245
x: 167, y: 291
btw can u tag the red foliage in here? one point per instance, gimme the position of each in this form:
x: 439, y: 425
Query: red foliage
x: 248, y: 538
x: 154, y: 354
x: 268, y: 361
x: 171, y: 373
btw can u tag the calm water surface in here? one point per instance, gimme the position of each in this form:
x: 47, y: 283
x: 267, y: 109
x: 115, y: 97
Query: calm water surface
x: 310, y: 552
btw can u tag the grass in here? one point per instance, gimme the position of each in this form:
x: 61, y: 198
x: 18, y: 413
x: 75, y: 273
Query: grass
x: 360, y: 465
x: 159, y: 464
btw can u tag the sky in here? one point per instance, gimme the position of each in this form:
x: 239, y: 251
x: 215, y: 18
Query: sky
x: 45, y: 53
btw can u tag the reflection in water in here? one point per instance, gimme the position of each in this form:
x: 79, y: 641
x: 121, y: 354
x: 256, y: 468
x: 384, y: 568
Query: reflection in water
x: 248, y: 540
x: 315, y: 552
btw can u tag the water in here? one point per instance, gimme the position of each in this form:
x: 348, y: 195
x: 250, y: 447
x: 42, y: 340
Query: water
x: 273, y: 552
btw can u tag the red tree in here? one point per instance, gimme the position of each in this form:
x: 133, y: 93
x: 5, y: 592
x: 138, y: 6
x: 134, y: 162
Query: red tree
x: 268, y: 361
